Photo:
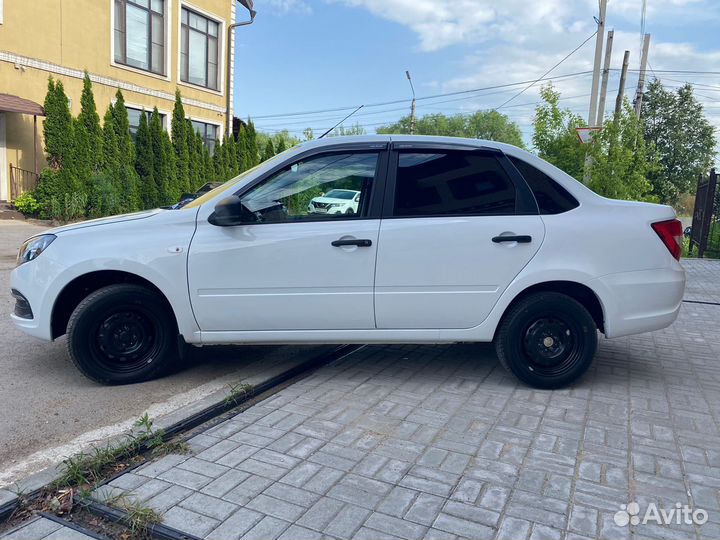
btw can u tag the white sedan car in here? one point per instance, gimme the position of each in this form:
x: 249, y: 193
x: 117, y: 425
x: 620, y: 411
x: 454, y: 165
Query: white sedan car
x: 453, y: 240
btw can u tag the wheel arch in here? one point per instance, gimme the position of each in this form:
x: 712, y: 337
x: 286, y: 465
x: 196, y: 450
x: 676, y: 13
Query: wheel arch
x: 579, y: 292
x: 81, y: 286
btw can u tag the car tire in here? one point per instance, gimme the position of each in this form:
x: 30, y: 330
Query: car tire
x: 547, y: 340
x: 122, y: 334
x: 349, y: 211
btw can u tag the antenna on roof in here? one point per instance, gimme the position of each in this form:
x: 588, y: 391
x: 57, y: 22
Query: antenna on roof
x: 341, y: 121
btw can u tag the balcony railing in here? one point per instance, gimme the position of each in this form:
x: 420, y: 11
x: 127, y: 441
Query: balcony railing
x: 21, y: 180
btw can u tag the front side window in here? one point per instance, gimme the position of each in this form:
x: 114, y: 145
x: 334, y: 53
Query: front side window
x: 329, y: 186
x: 452, y: 183
x: 199, y: 50
x: 140, y: 34
x: 208, y: 132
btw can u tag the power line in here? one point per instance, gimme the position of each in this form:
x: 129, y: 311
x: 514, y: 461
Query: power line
x: 394, y: 102
x: 548, y: 71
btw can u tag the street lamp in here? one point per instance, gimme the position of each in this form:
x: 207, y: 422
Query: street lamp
x: 248, y: 4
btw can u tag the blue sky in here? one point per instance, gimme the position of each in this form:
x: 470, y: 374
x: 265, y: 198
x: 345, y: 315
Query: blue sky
x: 306, y: 55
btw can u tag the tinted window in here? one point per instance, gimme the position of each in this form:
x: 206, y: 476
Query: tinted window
x: 551, y: 197
x: 329, y: 186
x: 452, y: 183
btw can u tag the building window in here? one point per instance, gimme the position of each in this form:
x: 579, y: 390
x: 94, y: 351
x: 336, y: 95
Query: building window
x: 140, y: 34
x: 208, y: 132
x: 134, y: 119
x: 199, y: 50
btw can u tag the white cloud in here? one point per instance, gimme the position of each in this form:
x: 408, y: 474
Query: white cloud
x: 283, y: 7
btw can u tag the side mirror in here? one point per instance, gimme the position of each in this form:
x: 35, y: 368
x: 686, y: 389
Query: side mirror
x: 231, y: 211
x: 357, y: 198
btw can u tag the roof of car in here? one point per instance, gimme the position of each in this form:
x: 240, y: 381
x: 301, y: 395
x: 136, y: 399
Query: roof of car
x: 398, y: 138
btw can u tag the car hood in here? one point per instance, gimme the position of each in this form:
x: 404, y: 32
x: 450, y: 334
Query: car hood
x: 106, y: 221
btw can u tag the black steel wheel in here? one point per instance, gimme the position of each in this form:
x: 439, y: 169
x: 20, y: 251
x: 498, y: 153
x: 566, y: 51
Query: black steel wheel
x: 122, y: 334
x: 547, y: 340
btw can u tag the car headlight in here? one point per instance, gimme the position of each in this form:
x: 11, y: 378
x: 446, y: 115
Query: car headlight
x: 33, y: 247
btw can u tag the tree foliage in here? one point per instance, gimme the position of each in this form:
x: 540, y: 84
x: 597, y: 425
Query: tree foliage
x: 680, y: 138
x: 554, y: 136
x: 619, y: 164
x: 490, y: 125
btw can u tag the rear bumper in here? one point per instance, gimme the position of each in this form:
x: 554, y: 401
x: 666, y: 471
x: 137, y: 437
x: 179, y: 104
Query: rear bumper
x: 642, y: 301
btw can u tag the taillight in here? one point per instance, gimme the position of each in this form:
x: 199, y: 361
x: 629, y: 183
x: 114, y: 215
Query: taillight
x: 671, y: 233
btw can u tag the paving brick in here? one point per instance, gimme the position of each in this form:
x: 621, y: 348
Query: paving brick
x: 236, y: 525
x: 395, y: 526
x: 168, y: 498
x: 463, y: 527
x: 186, y: 521
x: 209, y: 506
x: 267, y: 528
x: 275, y: 507
x: 346, y: 521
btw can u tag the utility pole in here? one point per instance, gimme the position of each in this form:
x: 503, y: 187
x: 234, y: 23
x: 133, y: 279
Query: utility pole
x: 596, y: 66
x: 605, y: 75
x: 412, y: 105
x: 641, y: 80
x: 621, y: 89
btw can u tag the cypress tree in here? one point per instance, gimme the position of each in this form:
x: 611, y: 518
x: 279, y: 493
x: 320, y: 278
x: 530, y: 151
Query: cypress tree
x: 89, y: 123
x: 128, y: 180
x: 202, y: 157
x: 269, y: 150
x: 106, y: 199
x: 58, y: 125
x: 241, y: 150
x: 144, y: 164
x: 180, y: 144
x: 166, y: 192
x: 193, y: 163
x: 233, y: 168
x: 281, y: 146
x: 169, y: 166
x: 251, y: 145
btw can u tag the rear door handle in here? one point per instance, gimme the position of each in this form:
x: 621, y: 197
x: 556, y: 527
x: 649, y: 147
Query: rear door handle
x: 360, y: 242
x: 521, y: 239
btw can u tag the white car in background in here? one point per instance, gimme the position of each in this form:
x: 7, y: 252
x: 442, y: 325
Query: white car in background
x: 335, y: 201
x: 452, y: 240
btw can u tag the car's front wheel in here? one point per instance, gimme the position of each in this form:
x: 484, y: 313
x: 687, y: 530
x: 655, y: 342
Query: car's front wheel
x: 122, y: 334
x: 547, y: 340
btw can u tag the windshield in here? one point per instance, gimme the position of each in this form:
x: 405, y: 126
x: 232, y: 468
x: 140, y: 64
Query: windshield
x: 340, y: 194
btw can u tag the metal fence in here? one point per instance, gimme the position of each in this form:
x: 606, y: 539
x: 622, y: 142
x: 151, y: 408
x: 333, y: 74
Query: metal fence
x: 705, y: 232
x: 21, y: 180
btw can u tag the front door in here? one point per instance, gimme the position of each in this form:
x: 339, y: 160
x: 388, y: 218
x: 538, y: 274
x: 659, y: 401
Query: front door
x: 305, y: 258
x: 453, y: 240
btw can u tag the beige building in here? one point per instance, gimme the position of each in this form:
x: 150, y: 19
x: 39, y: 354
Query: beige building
x: 147, y: 48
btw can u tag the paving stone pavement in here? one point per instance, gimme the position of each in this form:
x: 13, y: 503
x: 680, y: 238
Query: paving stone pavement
x: 42, y: 528
x: 440, y: 442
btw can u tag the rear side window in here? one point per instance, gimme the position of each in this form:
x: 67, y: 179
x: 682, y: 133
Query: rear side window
x: 551, y: 197
x: 452, y: 183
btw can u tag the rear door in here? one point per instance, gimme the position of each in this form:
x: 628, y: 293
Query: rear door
x: 459, y: 223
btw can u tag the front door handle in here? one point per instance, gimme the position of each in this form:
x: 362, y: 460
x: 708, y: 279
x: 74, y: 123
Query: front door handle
x: 352, y: 242
x: 520, y: 239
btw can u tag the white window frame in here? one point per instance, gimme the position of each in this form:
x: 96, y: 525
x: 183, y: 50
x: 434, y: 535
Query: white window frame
x: 168, y: 45
x: 222, y: 53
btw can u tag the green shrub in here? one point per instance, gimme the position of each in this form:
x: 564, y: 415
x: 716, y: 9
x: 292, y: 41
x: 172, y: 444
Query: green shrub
x: 27, y: 204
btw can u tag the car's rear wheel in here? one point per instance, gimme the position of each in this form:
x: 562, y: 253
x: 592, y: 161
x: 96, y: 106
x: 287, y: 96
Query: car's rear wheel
x: 122, y: 334
x: 547, y: 340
